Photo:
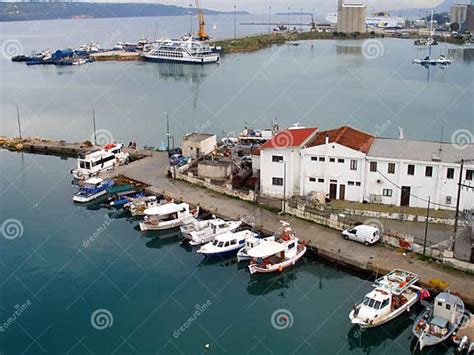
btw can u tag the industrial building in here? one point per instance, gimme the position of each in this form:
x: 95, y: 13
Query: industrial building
x: 350, y: 17
x: 459, y: 14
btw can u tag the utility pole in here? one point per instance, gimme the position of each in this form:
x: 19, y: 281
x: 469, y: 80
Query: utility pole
x: 191, y: 19
x: 269, y: 19
x: 426, y: 225
x: 167, y: 131
x: 93, y: 122
x: 18, y: 119
x: 456, y: 216
x: 289, y: 10
x: 235, y: 25
x: 284, y: 186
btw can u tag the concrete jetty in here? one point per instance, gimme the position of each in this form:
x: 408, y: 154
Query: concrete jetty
x: 325, y: 242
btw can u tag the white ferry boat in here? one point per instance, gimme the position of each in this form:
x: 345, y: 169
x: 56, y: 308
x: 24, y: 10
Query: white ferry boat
x: 188, y: 51
x: 393, y: 294
x: 107, y: 158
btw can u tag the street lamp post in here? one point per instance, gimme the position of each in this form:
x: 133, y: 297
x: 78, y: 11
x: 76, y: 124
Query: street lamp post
x: 167, y: 131
x: 426, y: 225
x: 301, y: 19
x: 289, y: 11
x: 269, y: 19
x: 235, y: 25
x: 191, y: 19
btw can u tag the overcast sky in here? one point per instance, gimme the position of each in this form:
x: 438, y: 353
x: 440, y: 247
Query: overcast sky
x: 322, y: 6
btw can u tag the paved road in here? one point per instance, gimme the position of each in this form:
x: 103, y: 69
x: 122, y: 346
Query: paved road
x: 329, y: 243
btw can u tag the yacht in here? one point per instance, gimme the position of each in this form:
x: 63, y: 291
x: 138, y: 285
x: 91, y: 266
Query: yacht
x: 393, y: 294
x: 226, y: 244
x: 92, y: 189
x: 439, y: 321
x: 168, y: 216
x: 188, y: 51
x: 104, y: 159
x: 276, y: 255
x: 202, y: 232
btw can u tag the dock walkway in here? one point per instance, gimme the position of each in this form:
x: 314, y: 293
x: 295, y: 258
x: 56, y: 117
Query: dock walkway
x: 328, y: 243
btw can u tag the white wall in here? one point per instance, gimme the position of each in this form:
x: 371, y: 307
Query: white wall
x: 336, y: 172
x: 270, y: 169
x: 438, y: 186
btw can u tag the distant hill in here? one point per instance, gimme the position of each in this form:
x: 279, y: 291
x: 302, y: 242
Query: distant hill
x: 23, y: 11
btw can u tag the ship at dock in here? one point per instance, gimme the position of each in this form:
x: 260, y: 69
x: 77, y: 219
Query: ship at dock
x: 182, y: 51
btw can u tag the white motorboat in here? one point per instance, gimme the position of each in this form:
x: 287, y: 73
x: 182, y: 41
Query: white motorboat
x: 441, y: 60
x: 277, y: 255
x: 104, y: 159
x: 168, y: 216
x: 440, y: 320
x: 188, y: 51
x: 201, y: 232
x: 242, y: 254
x: 92, y: 189
x: 393, y: 294
x: 226, y: 244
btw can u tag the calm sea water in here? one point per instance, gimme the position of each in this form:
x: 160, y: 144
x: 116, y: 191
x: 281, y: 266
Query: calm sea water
x: 70, y: 262
x: 318, y: 83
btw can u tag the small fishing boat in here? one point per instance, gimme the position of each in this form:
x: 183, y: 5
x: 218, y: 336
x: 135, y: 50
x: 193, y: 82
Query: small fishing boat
x: 277, y: 255
x: 137, y: 206
x: 242, y: 254
x: 226, y: 244
x: 392, y: 295
x: 201, y: 232
x: 168, y: 216
x: 91, y: 189
x: 439, y: 320
x: 120, y: 200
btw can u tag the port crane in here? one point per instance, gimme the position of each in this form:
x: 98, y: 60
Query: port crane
x: 202, y: 35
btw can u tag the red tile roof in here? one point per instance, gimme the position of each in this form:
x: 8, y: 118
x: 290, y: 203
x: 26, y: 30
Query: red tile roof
x: 346, y: 136
x: 289, y: 138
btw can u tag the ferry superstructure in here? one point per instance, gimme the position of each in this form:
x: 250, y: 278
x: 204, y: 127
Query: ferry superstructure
x: 379, y: 20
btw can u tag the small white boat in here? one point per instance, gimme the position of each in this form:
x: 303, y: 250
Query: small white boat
x: 137, y: 206
x: 201, y: 232
x: 104, y: 159
x: 242, y: 254
x: 277, y: 255
x: 91, y: 189
x: 441, y: 60
x: 440, y: 320
x: 226, y: 244
x: 392, y: 295
x: 168, y: 216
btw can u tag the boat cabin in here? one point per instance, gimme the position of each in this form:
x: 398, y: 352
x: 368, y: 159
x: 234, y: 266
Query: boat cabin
x: 229, y: 239
x: 92, y: 184
x: 444, y: 308
x: 168, y: 212
x: 274, y: 252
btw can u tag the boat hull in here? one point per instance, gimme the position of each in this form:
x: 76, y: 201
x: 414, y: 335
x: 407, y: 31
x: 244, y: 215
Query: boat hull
x: 406, y: 307
x: 200, y: 60
x: 254, y: 268
x: 222, y: 253
x: 89, y: 198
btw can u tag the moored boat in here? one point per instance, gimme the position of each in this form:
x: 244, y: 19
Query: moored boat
x: 91, y: 189
x: 201, y: 232
x: 439, y: 320
x: 137, y: 206
x: 271, y: 256
x: 168, y: 216
x: 392, y: 295
x: 242, y: 254
x: 226, y: 244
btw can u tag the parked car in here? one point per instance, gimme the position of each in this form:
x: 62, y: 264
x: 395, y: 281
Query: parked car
x: 362, y: 233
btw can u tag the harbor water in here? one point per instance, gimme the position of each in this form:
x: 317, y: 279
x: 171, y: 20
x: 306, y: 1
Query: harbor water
x: 83, y: 280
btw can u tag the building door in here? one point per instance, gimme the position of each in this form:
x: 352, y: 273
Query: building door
x: 405, y: 199
x: 342, y: 192
x: 332, y: 191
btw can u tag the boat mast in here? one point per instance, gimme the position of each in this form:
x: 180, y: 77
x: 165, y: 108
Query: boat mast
x: 93, y: 121
x: 18, y: 119
x: 431, y: 33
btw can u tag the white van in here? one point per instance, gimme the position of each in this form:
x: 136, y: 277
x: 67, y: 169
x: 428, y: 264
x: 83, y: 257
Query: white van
x: 363, y: 234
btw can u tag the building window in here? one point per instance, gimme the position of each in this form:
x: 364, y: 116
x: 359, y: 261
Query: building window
x: 314, y: 158
x: 340, y: 160
x: 391, y: 168
x: 332, y: 160
x: 448, y: 200
x: 387, y: 192
x: 469, y: 174
x: 429, y: 171
x: 357, y: 183
x: 450, y: 173
x: 322, y: 159
x: 411, y: 169
x: 373, y: 166
x: 312, y: 179
x: 276, y: 181
x: 353, y: 164
x: 320, y: 180
x: 350, y: 183
x: 277, y: 158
